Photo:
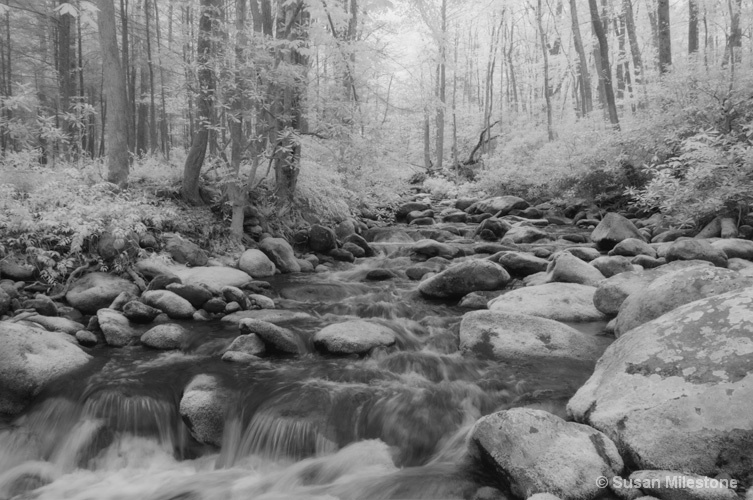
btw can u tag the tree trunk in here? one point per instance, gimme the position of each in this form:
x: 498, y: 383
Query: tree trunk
x: 127, y: 75
x: 692, y: 26
x: 114, y: 82
x: 605, y: 75
x: 584, y: 79
x: 547, y: 87
x: 164, y: 131
x: 733, y: 49
x: 236, y: 192
x: 633, y: 40
x: 150, y: 65
x: 195, y: 159
x: 65, y: 66
x: 441, y: 86
x: 665, y: 42
x: 427, y: 142
x: 291, y: 21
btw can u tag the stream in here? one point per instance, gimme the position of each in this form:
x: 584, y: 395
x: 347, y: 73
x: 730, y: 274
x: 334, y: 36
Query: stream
x: 391, y: 425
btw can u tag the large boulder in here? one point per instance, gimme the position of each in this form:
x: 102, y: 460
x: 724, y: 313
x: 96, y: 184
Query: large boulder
x: 30, y: 358
x: 353, y: 337
x: 5, y: 302
x: 499, y: 205
x: 97, y: 290
x: 677, y: 392
x: 570, y: 302
x: 322, y: 239
x: 463, y: 278
x: 674, y: 289
x: 248, y: 344
x: 165, y: 336
x: 567, y: 268
x: 613, y: 229
x: 612, y: 292
x: 256, y: 264
x: 281, y: 253
x: 169, y: 303
x: 536, y: 452
x: 195, y: 293
x: 16, y: 271
x: 492, y: 229
x: 693, y: 249
x: 509, y: 336
x: 632, y: 247
x: 203, y: 407
x: 138, y: 312
x: 403, y: 210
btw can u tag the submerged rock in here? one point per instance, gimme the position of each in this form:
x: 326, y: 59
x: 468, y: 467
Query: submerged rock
x: 274, y: 336
x: 353, y: 337
x: 537, y: 452
x: 203, y: 407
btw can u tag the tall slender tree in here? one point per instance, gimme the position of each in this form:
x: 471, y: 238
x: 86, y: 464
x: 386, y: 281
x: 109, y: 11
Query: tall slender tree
x: 605, y: 72
x: 664, y: 32
x: 584, y: 80
x: 114, y: 84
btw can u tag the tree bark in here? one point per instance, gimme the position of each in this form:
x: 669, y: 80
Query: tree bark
x: 65, y: 66
x: 733, y: 49
x: 196, y: 154
x: 114, y: 82
x: 635, y: 49
x: 584, y: 79
x: 441, y: 86
x: 692, y: 26
x: 605, y: 75
x: 547, y: 87
x: 665, y: 42
x: 236, y: 192
x: 150, y: 65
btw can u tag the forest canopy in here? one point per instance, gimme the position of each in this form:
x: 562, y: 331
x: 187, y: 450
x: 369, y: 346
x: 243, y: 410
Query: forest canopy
x: 337, y: 103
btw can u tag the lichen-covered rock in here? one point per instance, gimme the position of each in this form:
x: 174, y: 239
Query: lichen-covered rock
x: 30, y: 358
x: 165, y: 336
x: 203, y: 407
x: 509, y: 336
x: 97, y: 290
x: 674, y: 289
x: 691, y: 367
x: 570, y: 302
x: 281, y: 253
x: 169, y: 303
x: 353, y: 337
x: 465, y: 277
x: 256, y: 264
x: 613, y: 229
x: 537, y: 452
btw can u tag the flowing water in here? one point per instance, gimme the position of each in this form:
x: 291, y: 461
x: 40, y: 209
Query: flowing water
x: 392, y: 425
